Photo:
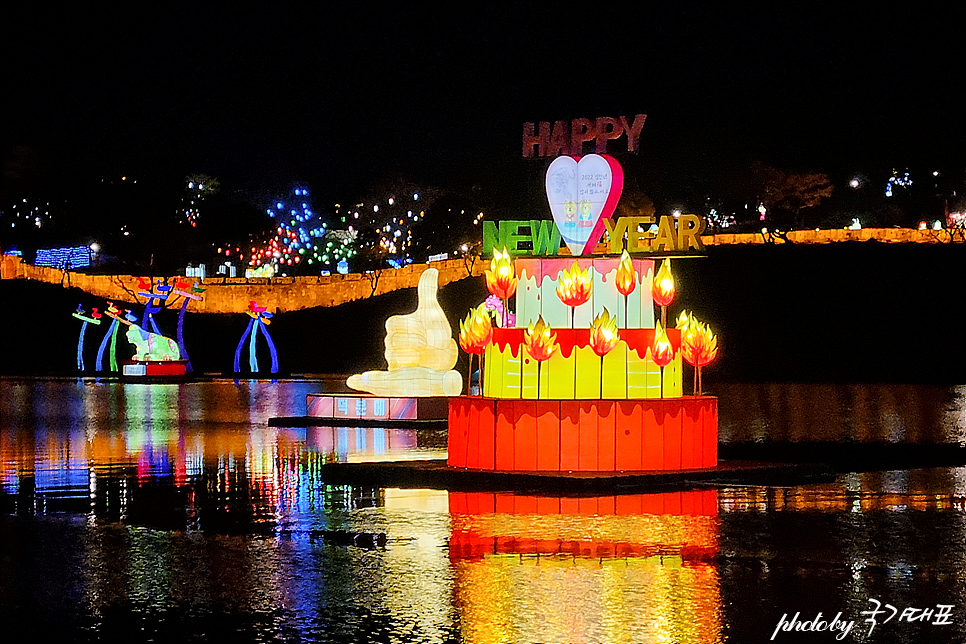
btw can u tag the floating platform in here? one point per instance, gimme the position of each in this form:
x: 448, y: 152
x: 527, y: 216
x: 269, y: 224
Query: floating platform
x: 154, y: 368
x: 364, y: 410
x: 436, y: 474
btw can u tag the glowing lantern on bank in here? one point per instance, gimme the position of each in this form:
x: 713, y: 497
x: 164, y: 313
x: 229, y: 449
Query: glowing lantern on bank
x: 662, y: 289
x: 476, y: 331
x: 541, y: 343
x: 574, y: 288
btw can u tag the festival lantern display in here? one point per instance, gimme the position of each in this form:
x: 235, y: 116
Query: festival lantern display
x: 541, y: 343
x: 570, y: 386
x: 420, y: 355
x: 699, y: 346
x: 420, y: 351
x: 661, y: 351
x: 476, y: 331
x: 93, y: 318
x: 501, y: 281
x: 626, y: 280
x: 603, y: 338
x: 574, y: 288
x: 110, y: 336
x: 260, y: 319
x: 662, y: 289
x: 181, y: 288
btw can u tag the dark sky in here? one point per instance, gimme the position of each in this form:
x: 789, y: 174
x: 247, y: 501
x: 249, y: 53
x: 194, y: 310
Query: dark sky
x: 342, y: 98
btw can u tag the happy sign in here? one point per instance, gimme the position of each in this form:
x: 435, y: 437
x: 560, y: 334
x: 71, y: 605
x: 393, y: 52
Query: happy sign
x: 582, y: 194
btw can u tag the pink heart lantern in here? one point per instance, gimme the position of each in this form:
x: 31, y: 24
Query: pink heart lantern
x: 582, y: 194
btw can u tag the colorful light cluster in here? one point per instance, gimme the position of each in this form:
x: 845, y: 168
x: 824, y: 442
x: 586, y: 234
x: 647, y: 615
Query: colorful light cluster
x: 896, y: 181
x: 392, y: 220
x: 301, y: 237
x: 27, y: 213
x: 197, y: 187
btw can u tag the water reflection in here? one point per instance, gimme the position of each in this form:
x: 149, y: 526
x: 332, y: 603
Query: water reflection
x: 822, y: 412
x: 629, y: 568
x: 152, y: 454
x: 125, y: 512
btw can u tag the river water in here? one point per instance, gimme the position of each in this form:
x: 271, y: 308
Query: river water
x: 133, y: 512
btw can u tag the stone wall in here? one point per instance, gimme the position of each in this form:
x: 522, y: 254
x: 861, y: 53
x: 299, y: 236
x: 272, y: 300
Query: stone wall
x: 232, y: 294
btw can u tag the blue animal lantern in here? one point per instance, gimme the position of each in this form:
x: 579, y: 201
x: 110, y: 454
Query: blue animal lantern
x: 260, y: 318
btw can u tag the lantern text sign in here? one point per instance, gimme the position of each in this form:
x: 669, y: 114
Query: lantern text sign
x: 541, y: 237
x: 543, y: 140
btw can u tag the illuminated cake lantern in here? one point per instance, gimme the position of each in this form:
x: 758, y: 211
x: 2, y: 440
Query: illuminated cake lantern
x: 588, y: 378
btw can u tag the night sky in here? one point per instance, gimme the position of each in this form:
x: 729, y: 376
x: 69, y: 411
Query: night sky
x: 342, y: 99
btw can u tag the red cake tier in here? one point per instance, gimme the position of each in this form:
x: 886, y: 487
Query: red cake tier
x: 516, y: 435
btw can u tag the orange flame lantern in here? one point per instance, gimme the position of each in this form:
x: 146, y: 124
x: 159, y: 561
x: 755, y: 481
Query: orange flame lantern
x: 541, y: 342
x: 699, y: 347
x: 476, y: 331
x: 574, y: 288
x: 603, y: 333
x: 662, y: 352
x: 501, y: 279
x: 662, y: 289
x: 625, y: 280
x: 603, y: 338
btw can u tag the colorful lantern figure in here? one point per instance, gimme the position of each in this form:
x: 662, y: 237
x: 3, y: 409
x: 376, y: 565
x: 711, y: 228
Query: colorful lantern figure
x: 181, y: 288
x: 541, y: 343
x: 494, y: 305
x: 574, y: 288
x: 662, y: 352
x: 111, y: 335
x: 94, y: 318
x: 699, y: 347
x: 501, y: 279
x: 260, y: 318
x: 603, y: 338
x: 662, y: 289
x: 626, y: 280
x: 476, y: 331
x: 147, y: 290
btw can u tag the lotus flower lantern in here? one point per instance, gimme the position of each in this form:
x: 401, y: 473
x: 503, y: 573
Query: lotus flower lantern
x: 574, y: 287
x: 625, y: 280
x: 699, y: 347
x: 541, y: 343
x: 662, y: 352
x: 501, y: 279
x: 662, y: 289
x: 476, y: 331
x: 603, y: 338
